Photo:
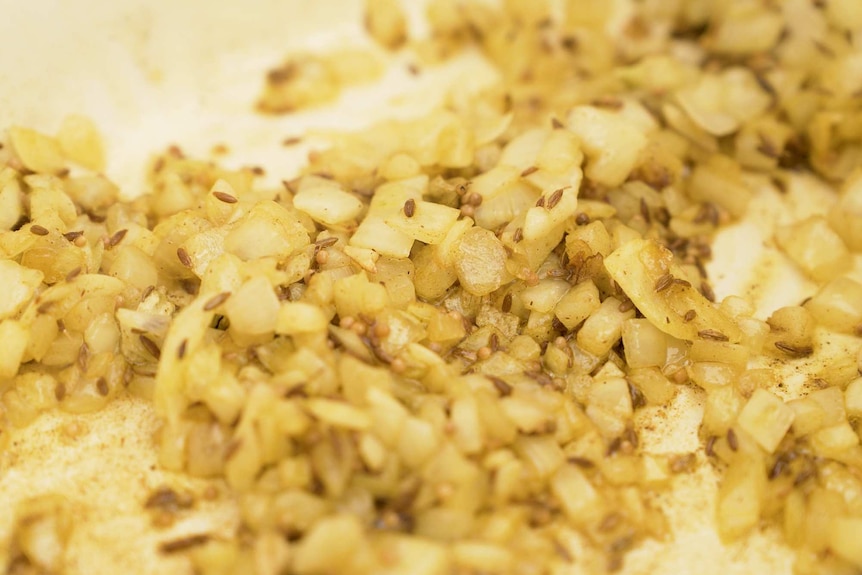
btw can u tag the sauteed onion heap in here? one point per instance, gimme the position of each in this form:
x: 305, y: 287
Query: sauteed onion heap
x: 427, y: 353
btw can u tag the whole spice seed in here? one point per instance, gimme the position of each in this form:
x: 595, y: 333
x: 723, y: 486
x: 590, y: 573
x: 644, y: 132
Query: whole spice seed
x: 38, y: 230
x: 732, y: 440
x: 116, y: 238
x: 184, y: 257
x: 183, y: 543
x: 712, y: 334
x: 181, y: 349
x: 73, y: 274
x: 709, y: 448
x: 555, y: 198
x: 663, y: 282
x: 644, y: 209
x: 506, y: 306
x: 503, y: 388
x: 83, y: 356
x: 518, y: 235
x: 689, y: 315
x: 216, y: 301
x: 150, y: 346
x: 795, y: 351
x: 326, y: 242
x: 777, y: 469
x: 410, y: 207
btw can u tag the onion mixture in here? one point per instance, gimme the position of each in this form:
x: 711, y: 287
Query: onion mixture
x: 427, y: 353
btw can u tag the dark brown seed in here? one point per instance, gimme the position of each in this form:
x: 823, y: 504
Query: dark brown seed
x: 150, y: 346
x: 645, y: 211
x: 582, y: 219
x: 72, y: 236
x: 494, y: 342
x: 326, y: 242
x: 795, y: 351
x: 631, y: 436
x: 60, y: 391
x: 663, y: 282
x: 83, y: 356
x: 556, y: 124
x: 183, y: 543
x: 777, y: 469
x: 216, y: 301
x: 181, y: 350
x: 506, y: 306
x: 73, y: 274
x: 116, y: 238
x: 555, y: 198
x: 540, y: 203
x: 707, y: 292
x: 626, y: 305
x: 528, y: 171
x: 225, y: 197
x: 638, y: 399
x: 732, y: 439
x: 518, y: 235
x: 102, y: 386
x: 689, y: 315
x: 39, y: 230
x: 581, y: 462
x: 681, y: 282
x: 167, y: 499
x: 503, y: 388
x: 712, y: 334
x: 184, y: 257
x: 710, y: 446
x: 410, y: 207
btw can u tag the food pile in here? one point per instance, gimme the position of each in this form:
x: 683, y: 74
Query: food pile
x: 426, y: 353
